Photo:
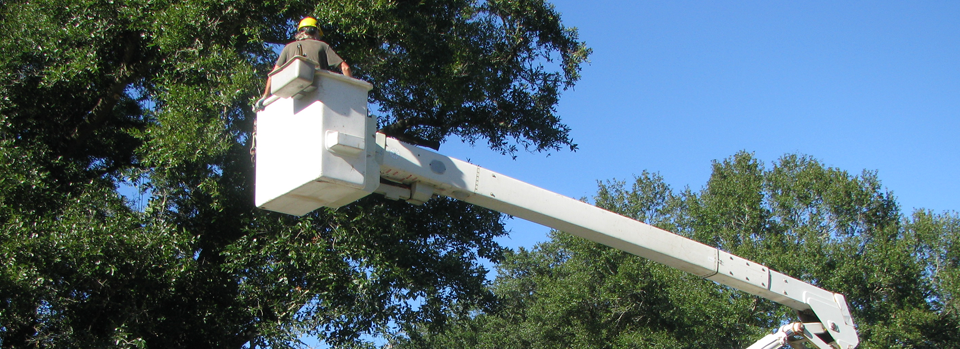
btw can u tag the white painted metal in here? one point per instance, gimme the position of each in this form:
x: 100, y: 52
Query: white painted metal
x: 775, y: 340
x: 408, y: 164
x: 322, y: 150
x: 794, y: 335
x: 293, y: 77
x: 316, y: 151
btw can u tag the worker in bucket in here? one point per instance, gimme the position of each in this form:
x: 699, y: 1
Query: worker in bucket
x: 308, y: 44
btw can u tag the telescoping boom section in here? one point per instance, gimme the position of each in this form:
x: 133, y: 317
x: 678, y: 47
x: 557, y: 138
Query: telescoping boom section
x: 319, y: 148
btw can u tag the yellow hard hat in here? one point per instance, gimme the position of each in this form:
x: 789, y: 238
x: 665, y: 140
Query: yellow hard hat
x: 309, y: 22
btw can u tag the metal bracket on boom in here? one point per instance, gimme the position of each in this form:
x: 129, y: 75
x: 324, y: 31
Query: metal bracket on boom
x: 417, y: 193
x: 794, y: 335
x: 322, y: 150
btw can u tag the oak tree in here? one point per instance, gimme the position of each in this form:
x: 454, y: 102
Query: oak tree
x: 99, y: 95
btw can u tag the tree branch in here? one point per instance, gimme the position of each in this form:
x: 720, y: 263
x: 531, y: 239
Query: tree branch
x: 127, y: 72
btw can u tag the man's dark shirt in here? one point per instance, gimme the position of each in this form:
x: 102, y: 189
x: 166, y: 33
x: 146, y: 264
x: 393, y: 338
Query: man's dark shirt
x: 316, y: 50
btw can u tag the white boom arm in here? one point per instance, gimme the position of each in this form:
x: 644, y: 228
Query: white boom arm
x: 321, y: 149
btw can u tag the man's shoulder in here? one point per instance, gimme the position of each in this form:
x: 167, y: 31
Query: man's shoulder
x: 290, y: 45
x: 305, y: 41
x: 312, y: 42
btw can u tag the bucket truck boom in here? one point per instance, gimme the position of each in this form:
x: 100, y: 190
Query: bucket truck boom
x: 317, y: 147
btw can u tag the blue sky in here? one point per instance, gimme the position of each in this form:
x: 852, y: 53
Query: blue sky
x: 675, y: 85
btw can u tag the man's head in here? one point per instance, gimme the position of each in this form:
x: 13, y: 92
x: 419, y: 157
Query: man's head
x: 308, y: 29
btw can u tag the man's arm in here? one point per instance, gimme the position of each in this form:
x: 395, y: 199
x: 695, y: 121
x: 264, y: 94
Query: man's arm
x: 343, y: 68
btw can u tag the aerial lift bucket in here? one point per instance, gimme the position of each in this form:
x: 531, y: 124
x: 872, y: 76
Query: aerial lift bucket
x: 315, y: 141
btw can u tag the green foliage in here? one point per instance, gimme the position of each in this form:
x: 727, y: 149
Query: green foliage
x: 469, y: 68
x: 98, y: 93
x: 841, y: 232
